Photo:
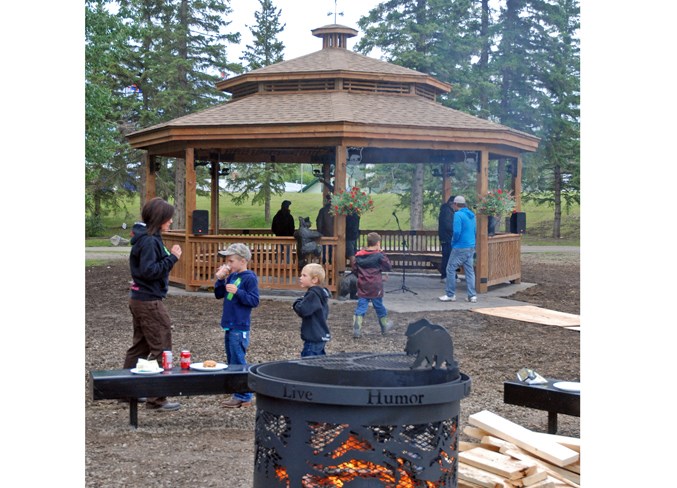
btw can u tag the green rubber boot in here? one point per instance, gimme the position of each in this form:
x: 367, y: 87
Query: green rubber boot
x: 357, y: 325
x: 386, y: 325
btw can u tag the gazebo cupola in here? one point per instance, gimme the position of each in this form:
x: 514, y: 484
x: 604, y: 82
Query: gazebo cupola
x: 334, y: 35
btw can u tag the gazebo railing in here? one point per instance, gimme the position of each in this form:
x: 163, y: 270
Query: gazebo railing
x: 275, y: 259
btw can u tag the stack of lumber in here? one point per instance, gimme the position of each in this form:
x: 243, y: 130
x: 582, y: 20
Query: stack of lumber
x: 508, y: 455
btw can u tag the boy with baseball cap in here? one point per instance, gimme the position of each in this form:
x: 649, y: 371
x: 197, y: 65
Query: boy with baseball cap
x: 239, y: 288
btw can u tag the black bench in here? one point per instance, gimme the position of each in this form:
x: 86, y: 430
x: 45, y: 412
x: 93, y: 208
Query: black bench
x: 123, y: 384
x: 543, y: 397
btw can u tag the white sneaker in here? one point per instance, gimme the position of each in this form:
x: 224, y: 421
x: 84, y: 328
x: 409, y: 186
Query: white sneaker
x: 472, y: 299
x: 445, y: 298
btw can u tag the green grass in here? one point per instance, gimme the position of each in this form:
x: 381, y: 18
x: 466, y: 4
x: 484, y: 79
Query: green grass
x: 539, y: 218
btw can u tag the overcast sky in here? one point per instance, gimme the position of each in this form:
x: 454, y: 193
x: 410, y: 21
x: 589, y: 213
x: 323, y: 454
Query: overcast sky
x: 300, y: 18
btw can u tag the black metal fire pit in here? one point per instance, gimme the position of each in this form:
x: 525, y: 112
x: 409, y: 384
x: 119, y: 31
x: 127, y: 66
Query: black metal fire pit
x: 360, y: 419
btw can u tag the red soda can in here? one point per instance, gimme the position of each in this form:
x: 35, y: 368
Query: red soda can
x: 167, y: 360
x: 185, y: 359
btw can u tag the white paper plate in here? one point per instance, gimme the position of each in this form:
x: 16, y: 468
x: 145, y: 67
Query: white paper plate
x: 568, y: 385
x: 138, y: 371
x: 200, y: 367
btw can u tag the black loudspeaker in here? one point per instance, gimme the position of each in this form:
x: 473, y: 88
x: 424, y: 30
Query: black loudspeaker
x: 200, y: 222
x: 518, y: 223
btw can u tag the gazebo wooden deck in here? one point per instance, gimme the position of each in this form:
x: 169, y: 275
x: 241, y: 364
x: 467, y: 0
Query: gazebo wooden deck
x: 313, y: 109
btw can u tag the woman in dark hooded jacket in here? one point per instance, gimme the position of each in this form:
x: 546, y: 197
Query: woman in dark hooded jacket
x: 150, y: 264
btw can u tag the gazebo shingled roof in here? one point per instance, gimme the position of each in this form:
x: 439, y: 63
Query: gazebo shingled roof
x: 312, y: 108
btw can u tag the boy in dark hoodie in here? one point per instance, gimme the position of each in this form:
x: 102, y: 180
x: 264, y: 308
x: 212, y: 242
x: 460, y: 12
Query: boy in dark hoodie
x: 313, y: 308
x: 370, y: 263
x: 239, y: 288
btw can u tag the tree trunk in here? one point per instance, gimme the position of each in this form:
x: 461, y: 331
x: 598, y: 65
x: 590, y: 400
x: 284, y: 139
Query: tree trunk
x: 501, y: 183
x: 416, y: 209
x: 483, y: 64
x: 266, y: 189
x: 558, y: 202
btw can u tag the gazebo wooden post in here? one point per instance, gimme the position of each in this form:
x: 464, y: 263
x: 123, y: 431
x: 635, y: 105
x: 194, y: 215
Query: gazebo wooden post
x: 191, y: 187
x: 214, y: 208
x: 340, y: 222
x: 150, y: 175
x: 482, y: 240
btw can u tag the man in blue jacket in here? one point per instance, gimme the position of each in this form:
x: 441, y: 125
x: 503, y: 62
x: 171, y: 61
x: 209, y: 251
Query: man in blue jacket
x: 462, y: 250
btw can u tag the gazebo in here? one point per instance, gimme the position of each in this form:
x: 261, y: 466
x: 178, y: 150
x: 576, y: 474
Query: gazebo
x: 316, y: 109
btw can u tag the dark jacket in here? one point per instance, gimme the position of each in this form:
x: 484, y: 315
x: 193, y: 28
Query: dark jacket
x: 237, y: 307
x: 325, y: 221
x: 352, y: 227
x: 150, y: 263
x: 283, y: 223
x: 369, y: 266
x: 445, y: 223
x: 313, y: 308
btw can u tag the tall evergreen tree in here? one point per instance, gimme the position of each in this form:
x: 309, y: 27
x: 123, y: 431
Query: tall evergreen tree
x: 107, y: 179
x: 266, y: 48
x: 179, y: 53
x: 559, y: 75
x: 263, y: 179
x: 438, y: 37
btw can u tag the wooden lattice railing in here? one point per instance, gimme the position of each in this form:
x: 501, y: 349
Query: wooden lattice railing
x: 275, y: 260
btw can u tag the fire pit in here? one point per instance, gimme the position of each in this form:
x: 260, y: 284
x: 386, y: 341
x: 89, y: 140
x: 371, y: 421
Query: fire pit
x: 360, y: 419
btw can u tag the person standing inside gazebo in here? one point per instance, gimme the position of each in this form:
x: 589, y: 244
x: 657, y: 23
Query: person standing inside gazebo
x: 325, y: 226
x: 283, y: 221
x: 283, y: 226
x: 462, y: 251
x: 445, y: 232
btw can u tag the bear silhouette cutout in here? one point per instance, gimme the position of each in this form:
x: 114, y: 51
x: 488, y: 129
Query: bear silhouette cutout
x: 430, y: 343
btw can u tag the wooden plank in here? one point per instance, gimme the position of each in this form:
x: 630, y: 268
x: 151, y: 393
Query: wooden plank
x: 533, y: 314
x: 479, y: 477
x: 524, y: 438
x: 562, y: 474
x: 474, y: 432
x: 467, y: 484
x: 573, y: 443
x: 466, y: 446
x: 531, y: 480
x: 497, y: 463
x: 546, y: 483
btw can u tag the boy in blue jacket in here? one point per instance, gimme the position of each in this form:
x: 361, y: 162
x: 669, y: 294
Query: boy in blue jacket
x: 239, y: 287
x: 313, y: 308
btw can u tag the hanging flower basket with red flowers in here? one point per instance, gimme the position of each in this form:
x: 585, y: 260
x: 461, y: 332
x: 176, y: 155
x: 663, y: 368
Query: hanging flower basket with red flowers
x: 496, y: 203
x: 353, y: 202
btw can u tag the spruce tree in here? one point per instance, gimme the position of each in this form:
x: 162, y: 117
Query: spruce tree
x: 264, y: 179
x: 266, y: 48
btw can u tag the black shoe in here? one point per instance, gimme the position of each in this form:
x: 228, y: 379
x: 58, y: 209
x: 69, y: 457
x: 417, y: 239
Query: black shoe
x: 167, y: 406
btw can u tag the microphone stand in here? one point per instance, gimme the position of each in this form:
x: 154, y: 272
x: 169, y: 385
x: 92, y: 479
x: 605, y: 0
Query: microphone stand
x: 404, y: 287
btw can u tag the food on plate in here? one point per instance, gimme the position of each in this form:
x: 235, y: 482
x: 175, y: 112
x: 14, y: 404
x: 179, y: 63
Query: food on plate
x: 144, y: 365
x: 209, y: 364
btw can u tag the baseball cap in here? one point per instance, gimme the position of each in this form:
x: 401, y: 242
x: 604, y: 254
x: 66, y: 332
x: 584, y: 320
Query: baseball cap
x: 237, y: 249
x: 459, y: 199
x: 286, y: 203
